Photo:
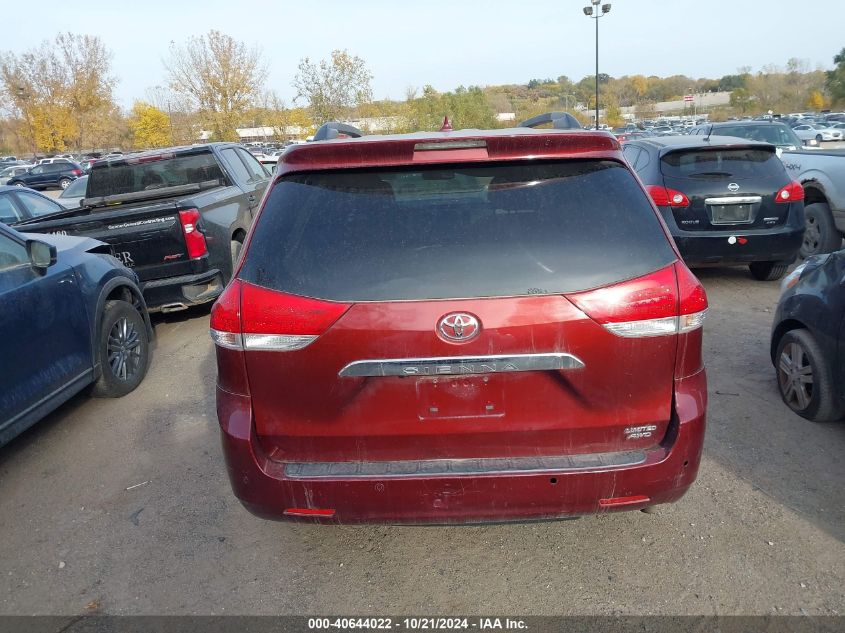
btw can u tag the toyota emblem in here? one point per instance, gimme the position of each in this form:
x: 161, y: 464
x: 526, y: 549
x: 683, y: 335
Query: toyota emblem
x: 733, y: 187
x: 458, y: 327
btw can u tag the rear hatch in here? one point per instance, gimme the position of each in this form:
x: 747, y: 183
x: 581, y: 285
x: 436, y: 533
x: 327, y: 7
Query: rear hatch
x: 724, y: 188
x: 442, y: 312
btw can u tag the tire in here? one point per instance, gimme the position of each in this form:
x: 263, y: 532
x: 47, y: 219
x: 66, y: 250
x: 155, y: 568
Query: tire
x: 122, y: 350
x: 805, y: 379
x: 819, y: 138
x: 64, y: 183
x: 235, y: 246
x: 767, y: 271
x: 19, y: 184
x: 820, y: 233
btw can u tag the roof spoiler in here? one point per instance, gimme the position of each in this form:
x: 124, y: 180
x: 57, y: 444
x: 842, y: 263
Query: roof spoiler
x: 335, y: 129
x: 559, y: 121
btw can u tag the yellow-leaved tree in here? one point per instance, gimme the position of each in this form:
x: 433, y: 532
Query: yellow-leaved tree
x: 815, y: 101
x: 150, y: 126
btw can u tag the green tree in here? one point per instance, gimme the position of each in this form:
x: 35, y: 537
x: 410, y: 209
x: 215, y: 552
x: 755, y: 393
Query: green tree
x: 741, y: 100
x: 835, y: 79
x: 150, y: 126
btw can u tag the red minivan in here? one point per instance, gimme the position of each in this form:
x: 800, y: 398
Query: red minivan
x: 451, y: 327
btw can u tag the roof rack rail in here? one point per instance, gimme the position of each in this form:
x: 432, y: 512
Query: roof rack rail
x: 335, y: 129
x: 559, y: 121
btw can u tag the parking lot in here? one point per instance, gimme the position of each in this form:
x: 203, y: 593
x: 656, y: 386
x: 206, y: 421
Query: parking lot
x: 123, y: 507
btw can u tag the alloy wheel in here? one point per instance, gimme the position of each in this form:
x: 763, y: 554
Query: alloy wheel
x: 812, y: 234
x: 124, y: 349
x: 795, y: 375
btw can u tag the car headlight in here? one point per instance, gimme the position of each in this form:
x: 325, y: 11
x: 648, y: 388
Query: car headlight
x: 792, y: 278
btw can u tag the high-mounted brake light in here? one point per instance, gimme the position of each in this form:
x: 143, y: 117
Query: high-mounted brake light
x: 793, y: 192
x: 665, y: 197
x: 275, y: 321
x: 194, y: 238
x: 653, y: 305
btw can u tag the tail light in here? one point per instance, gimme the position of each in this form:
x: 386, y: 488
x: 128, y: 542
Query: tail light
x: 669, y: 301
x: 226, y: 333
x: 76, y: 172
x: 793, y: 192
x: 272, y: 321
x: 194, y: 239
x: 665, y: 197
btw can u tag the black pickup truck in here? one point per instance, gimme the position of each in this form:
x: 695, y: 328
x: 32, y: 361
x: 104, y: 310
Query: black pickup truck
x: 176, y: 216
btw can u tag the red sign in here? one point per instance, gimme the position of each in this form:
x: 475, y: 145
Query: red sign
x: 687, y: 97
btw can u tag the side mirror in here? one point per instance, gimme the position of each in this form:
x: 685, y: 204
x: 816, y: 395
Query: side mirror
x: 41, y: 254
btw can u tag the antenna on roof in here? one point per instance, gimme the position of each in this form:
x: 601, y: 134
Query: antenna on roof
x: 447, y: 126
x: 709, y: 132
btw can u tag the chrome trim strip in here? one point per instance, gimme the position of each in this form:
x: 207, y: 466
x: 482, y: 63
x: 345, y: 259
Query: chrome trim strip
x: 460, y: 365
x: 453, y: 467
x: 734, y: 200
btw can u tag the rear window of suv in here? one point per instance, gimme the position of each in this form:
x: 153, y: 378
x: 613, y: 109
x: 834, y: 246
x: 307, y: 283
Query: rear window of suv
x: 452, y: 232
x: 721, y: 163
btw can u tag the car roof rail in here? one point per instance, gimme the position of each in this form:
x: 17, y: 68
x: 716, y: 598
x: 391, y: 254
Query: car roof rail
x: 335, y: 129
x: 559, y: 121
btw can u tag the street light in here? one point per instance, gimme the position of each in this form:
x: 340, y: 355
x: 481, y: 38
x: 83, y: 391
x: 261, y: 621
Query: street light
x: 595, y: 14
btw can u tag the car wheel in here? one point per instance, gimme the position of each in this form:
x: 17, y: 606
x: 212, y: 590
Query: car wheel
x: 820, y: 233
x: 123, y: 350
x: 767, y: 271
x: 805, y: 379
x: 64, y: 183
x: 236, y: 245
x: 19, y: 184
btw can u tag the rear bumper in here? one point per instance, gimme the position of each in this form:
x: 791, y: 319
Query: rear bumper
x: 177, y: 293
x: 715, y: 247
x: 662, y: 476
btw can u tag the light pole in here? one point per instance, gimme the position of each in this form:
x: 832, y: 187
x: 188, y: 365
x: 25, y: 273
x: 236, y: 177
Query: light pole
x: 595, y: 14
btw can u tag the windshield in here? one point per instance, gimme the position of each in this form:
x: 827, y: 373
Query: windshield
x: 76, y: 189
x: 147, y: 173
x: 469, y: 231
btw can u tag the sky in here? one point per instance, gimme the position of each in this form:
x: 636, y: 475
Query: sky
x: 456, y: 42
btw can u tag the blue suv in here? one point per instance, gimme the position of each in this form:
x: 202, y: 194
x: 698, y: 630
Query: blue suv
x: 74, y: 317
x: 59, y: 174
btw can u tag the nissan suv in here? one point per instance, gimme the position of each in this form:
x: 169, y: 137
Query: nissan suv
x: 459, y: 326
x: 726, y: 200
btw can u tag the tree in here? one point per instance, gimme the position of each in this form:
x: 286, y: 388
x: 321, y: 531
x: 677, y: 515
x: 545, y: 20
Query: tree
x: 220, y: 76
x: 150, y: 126
x: 60, y: 93
x: 741, y: 99
x: 333, y: 88
x: 835, y: 79
x: 815, y: 101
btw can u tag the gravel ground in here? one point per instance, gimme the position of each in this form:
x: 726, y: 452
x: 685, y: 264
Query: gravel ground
x: 761, y: 532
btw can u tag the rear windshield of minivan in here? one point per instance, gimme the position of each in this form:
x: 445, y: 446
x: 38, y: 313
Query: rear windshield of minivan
x: 721, y: 163
x: 452, y: 232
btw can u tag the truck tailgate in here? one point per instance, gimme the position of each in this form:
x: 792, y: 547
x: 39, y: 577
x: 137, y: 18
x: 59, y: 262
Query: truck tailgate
x: 148, y: 239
